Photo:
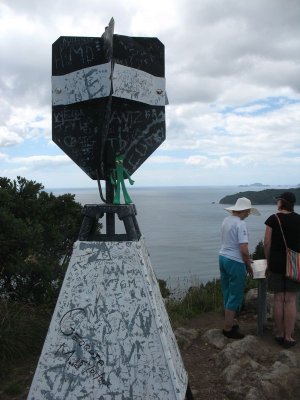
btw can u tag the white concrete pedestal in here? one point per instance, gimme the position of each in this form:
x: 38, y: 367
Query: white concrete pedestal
x: 110, y: 336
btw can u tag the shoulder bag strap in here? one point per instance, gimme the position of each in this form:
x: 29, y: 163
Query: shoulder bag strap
x: 281, y: 229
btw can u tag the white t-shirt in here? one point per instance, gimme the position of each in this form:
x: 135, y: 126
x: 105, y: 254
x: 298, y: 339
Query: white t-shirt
x: 233, y: 232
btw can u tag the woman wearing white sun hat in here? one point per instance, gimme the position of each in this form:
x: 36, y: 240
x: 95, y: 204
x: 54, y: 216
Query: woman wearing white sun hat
x: 234, y: 262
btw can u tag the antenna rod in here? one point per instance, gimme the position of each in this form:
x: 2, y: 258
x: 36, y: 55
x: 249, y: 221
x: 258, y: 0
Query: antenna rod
x: 110, y: 217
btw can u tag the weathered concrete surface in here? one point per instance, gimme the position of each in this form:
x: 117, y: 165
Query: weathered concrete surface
x: 110, y: 335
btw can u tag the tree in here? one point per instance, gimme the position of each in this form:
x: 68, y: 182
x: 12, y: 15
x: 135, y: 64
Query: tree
x: 164, y: 290
x: 259, y: 253
x: 36, y: 238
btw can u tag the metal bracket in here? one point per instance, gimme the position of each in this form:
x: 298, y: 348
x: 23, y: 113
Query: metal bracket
x: 261, y: 305
x: 93, y: 212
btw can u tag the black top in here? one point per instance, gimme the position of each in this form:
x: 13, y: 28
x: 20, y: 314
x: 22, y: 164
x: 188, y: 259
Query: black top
x: 291, y: 228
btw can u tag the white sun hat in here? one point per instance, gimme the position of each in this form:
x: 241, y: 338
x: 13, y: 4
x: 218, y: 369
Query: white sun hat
x: 242, y: 204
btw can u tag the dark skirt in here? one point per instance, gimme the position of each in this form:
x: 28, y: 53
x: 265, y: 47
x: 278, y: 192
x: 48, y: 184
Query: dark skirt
x: 279, y: 283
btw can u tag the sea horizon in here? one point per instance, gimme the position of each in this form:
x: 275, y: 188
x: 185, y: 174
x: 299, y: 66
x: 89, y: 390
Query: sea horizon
x: 181, y: 228
x: 176, y: 186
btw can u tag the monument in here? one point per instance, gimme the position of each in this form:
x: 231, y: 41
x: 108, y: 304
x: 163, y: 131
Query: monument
x: 110, y: 335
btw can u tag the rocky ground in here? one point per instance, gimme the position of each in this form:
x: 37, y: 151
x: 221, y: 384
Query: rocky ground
x: 218, y: 368
x: 249, y: 369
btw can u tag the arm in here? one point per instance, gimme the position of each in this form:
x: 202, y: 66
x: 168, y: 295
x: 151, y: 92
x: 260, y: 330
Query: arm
x: 246, y: 257
x: 128, y: 176
x: 267, y: 241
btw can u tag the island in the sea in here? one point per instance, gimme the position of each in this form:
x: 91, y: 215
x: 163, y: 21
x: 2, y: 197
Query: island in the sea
x: 256, y: 184
x: 266, y: 196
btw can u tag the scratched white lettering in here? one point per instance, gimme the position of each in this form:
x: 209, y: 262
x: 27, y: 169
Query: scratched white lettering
x: 110, y: 336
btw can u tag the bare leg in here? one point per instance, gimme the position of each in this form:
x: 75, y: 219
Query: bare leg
x: 278, y: 314
x: 290, y: 310
x: 229, y: 318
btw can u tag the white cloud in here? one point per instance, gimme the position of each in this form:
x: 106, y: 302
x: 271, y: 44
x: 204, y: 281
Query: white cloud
x: 20, y: 123
x: 249, y: 109
x: 3, y: 156
x: 164, y: 160
x: 223, y: 61
x: 8, y: 138
x: 33, y: 166
x: 197, y: 160
x: 41, y: 161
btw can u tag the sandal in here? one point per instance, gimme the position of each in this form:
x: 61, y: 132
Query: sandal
x: 289, y: 343
x: 235, y: 327
x: 233, y: 334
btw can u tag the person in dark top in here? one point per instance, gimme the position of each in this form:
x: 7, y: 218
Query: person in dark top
x: 285, y: 290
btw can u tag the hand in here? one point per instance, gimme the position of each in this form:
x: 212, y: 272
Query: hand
x: 249, y: 270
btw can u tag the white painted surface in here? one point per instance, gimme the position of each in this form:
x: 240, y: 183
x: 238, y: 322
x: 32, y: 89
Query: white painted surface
x: 95, y: 82
x: 259, y: 268
x: 134, y: 84
x: 110, y: 336
x: 84, y: 84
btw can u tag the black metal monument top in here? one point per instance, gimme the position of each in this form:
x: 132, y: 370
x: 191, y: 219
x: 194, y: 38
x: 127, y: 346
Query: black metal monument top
x: 108, y: 99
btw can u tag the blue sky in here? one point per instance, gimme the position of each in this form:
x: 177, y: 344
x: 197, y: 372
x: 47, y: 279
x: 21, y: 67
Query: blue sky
x: 232, y: 72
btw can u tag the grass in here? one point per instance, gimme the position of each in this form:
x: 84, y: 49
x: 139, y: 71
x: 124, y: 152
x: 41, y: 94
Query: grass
x: 22, y: 331
x: 13, y: 389
x: 199, y: 299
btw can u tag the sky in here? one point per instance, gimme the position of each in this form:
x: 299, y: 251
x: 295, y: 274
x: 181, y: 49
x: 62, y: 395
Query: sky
x: 232, y: 77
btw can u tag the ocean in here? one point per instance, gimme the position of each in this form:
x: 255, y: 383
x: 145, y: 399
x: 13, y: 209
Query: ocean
x: 181, y: 227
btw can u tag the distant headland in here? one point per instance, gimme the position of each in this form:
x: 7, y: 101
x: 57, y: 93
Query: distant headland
x: 266, y: 196
x: 256, y: 184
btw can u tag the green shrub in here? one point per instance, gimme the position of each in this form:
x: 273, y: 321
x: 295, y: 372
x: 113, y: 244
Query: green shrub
x: 259, y: 253
x: 250, y: 283
x: 200, y: 299
x: 164, y: 290
x: 22, y: 331
x: 13, y: 388
x: 37, y: 234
